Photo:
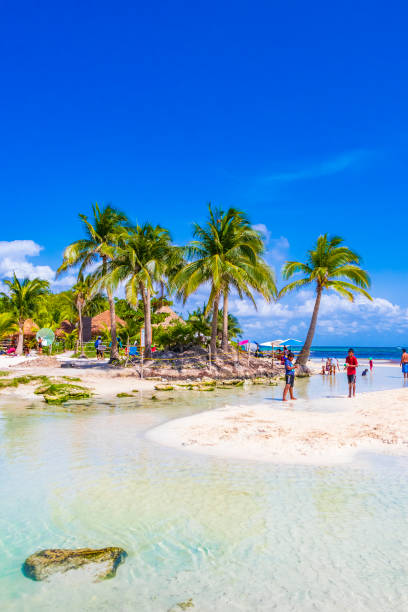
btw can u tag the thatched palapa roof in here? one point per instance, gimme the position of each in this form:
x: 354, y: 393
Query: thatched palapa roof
x: 66, y: 327
x: 30, y: 327
x: 102, y: 321
x: 170, y: 319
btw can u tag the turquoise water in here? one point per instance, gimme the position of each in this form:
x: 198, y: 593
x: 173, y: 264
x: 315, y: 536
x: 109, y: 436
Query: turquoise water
x: 231, y: 535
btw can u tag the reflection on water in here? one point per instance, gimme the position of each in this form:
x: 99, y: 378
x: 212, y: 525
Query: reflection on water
x: 232, y: 535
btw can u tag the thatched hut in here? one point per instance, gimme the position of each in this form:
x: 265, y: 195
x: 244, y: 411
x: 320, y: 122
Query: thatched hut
x: 100, y: 322
x: 66, y: 327
x: 30, y: 327
x: 171, y: 317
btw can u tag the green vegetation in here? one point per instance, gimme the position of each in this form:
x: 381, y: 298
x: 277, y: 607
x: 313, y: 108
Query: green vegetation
x: 124, y: 395
x: 22, y: 300
x: 227, y: 254
x: 330, y: 265
x: 59, y: 393
x: 163, y: 388
x: 100, y: 242
x: 22, y: 380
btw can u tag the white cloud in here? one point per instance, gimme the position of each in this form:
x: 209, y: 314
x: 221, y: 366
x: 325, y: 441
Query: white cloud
x: 324, y: 168
x: 262, y: 228
x: 13, y: 259
x: 337, y: 316
x: 278, y: 250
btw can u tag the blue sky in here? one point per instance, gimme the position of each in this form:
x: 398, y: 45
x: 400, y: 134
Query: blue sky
x: 294, y: 112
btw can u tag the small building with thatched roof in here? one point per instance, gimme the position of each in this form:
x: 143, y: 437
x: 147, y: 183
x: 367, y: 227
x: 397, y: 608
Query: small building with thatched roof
x: 171, y: 317
x: 30, y: 327
x: 102, y: 321
x: 66, y: 327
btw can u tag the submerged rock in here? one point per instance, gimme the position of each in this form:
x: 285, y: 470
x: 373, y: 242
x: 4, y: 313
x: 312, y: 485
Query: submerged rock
x: 45, y: 563
x: 163, y: 387
x: 58, y: 393
x: 182, y: 605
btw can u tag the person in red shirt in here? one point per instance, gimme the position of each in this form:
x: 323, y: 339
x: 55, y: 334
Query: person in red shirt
x: 352, y: 364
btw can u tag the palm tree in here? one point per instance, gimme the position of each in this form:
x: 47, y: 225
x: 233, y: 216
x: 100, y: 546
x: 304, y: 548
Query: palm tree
x: 101, y: 236
x: 226, y: 255
x: 23, y: 298
x: 234, y: 328
x: 330, y: 265
x: 82, y: 292
x: 141, y: 260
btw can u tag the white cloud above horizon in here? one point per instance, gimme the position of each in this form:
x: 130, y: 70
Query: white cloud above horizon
x: 323, y: 168
x: 337, y: 316
x: 14, y: 259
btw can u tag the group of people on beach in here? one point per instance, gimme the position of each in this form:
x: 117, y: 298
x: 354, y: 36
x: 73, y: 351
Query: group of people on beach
x: 329, y: 368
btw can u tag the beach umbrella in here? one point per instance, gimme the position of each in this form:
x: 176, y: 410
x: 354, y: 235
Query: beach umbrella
x: 291, y: 341
x: 272, y: 343
x: 47, y: 336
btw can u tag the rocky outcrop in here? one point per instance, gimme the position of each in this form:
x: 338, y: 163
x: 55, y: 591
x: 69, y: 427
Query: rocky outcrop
x: 58, y: 393
x: 45, y: 563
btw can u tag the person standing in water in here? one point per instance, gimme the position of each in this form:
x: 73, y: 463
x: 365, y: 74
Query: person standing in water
x: 404, y: 363
x: 289, y: 376
x: 352, y: 364
x: 370, y: 363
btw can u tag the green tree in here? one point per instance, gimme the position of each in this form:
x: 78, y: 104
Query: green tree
x: 99, y: 244
x: 82, y: 293
x: 23, y: 299
x: 8, y: 325
x: 330, y: 265
x: 226, y: 254
x: 141, y: 259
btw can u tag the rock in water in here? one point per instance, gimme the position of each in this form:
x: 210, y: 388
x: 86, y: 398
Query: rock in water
x: 43, y: 564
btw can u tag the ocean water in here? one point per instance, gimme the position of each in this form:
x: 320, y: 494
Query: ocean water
x: 387, y: 353
x: 230, y: 535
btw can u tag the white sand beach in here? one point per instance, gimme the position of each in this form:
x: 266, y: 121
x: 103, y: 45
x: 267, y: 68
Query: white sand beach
x: 372, y: 421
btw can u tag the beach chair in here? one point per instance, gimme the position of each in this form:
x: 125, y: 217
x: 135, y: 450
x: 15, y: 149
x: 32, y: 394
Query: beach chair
x: 133, y: 355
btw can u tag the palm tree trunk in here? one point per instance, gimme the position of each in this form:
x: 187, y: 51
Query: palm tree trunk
x: 214, y: 325
x: 305, y: 352
x: 20, y: 342
x: 147, y: 320
x: 148, y: 325
x: 224, y: 342
x: 81, y: 331
x: 114, y: 353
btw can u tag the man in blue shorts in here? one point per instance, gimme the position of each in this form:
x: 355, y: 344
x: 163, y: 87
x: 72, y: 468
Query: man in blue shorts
x: 289, y: 376
x: 404, y: 363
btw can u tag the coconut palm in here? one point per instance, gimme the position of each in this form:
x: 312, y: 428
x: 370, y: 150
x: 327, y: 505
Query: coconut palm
x: 330, y: 265
x: 101, y: 236
x: 226, y: 254
x: 82, y: 292
x: 141, y: 260
x: 23, y: 299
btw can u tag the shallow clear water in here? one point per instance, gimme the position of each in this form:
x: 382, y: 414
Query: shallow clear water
x: 231, y: 535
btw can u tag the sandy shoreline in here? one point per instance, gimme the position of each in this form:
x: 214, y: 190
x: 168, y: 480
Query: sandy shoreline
x: 323, y: 431
x: 374, y: 421
x: 103, y: 381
